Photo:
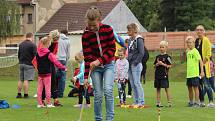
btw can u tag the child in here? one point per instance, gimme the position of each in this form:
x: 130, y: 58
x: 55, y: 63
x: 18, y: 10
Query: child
x: 75, y: 87
x: 83, y: 85
x: 98, y: 45
x: 121, y: 74
x: 162, y: 64
x: 193, y: 77
x: 211, y: 79
x: 44, y: 60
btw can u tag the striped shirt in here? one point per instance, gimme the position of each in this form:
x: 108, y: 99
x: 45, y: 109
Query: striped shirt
x: 91, y: 48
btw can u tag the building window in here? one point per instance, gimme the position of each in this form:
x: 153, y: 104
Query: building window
x: 30, y: 19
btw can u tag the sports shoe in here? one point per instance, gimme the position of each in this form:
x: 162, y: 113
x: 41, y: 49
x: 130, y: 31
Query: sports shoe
x: 35, y: 95
x: 77, y: 105
x: 190, y: 104
x: 25, y: 95
x: 134, y: 105
x: 169, y: 104
x: 196, y: 105
x: 19, y: 96
x: 88, y: 105
x: 57, y: 103
x: 117, y: 97
x: 41, y: 106
x: 129, y: 96
x: 159, y: 105
x: 202, y: 104
x: 50, y: 106
x: 211, y: 105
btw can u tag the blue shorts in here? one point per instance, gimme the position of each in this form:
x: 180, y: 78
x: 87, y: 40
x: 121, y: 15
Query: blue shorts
x: 193, y: 82
x: 161, y: 83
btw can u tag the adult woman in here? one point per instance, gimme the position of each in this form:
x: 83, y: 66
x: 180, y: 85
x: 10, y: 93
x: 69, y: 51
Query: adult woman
x: 135, y: 56
x: 203, y: 45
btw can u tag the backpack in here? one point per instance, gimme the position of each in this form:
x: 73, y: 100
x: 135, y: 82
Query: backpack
x: 146, y: 55
x: 4, y: 104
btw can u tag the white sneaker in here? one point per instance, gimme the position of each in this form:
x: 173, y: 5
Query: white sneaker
x: 117, y: 97
x: 129, y: 96
x: 41, y: 106
x: 211, y: 105
x: 35, y: 95
x: 202, y: 104
x: 77, y: 105
x: 88, y: 105
x: 50, y: 106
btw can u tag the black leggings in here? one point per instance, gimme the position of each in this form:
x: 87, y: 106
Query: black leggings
x: 81, y: 94
x: 121, y: 91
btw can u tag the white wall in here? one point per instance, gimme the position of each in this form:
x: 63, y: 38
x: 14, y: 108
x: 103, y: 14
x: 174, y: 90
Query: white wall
x: 120, y: 17
x: 75, y: 44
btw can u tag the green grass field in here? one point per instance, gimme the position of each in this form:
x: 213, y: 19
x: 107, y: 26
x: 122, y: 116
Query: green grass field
x: 29, y: 112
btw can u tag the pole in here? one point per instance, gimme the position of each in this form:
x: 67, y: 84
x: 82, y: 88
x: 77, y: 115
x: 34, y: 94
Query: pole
x: 159, y: 114
x: 165, y: 33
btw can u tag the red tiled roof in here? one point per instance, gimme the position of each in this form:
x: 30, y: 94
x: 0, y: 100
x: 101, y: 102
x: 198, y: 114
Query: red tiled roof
x: 74, y: 13
x: 24, y: 1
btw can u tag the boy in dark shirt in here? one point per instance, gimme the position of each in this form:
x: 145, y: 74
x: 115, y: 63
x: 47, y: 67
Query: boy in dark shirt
x: 162, y: 64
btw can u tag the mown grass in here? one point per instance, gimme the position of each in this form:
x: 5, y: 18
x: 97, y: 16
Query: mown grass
x: 179, y: 111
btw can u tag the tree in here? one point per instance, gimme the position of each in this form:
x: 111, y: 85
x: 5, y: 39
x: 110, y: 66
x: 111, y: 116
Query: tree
x: 9, y: 19
x: 146, y: 12
x: 183, y: 15
x: 167, y: 14
x: 175, y: 15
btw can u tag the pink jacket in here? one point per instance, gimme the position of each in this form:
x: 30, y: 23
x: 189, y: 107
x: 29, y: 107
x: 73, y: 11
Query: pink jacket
x: 43, y: 51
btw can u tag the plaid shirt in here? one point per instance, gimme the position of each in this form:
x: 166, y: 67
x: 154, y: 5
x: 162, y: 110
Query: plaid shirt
x: 91, y: 49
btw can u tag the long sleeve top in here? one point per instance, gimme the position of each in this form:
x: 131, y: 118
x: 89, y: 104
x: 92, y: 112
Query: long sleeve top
x: 80, y: 75
x: 63, y: 52
x: 91, y: 49
x: 121, y: 69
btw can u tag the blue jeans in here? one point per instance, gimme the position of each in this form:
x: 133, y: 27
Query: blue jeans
x: 208, y: 89
x: 134, y: 74
x: 211, y: 81
x: 61, y: 77
x: 103, y: 81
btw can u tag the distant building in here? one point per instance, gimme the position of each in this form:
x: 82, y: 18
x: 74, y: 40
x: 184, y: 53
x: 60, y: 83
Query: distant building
x: 35, y: 13
x: 42, y: 16
x: 71, y: 17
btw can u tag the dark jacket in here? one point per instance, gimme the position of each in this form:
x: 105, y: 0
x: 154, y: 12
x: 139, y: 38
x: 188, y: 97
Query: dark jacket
x: 44, y: 60
x: 136, y: 50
